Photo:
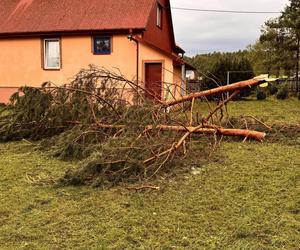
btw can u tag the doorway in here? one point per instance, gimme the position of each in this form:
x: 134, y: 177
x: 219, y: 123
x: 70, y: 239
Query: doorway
x: 153, y: 81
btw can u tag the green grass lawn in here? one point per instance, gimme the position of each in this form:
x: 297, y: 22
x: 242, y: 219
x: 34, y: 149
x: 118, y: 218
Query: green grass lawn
x: 270, y: 110
x: 248, y: 199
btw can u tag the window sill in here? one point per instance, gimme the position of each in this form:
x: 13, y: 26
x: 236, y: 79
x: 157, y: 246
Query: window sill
x: 54, y: 69
x: 103, y: 53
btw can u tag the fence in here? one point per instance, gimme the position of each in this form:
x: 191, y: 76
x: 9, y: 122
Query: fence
x: 292, y: 84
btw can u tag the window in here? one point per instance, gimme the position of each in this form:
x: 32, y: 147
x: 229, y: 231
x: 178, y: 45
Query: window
x: 159, y: 15
x: 102, y: 45
x: 52, y: 58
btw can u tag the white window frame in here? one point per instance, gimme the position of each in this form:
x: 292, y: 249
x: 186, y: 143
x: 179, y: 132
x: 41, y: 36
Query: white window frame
x: 45, y: 56
x: 159, y: 14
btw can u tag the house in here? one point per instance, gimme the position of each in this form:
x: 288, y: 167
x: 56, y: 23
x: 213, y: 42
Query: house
x: 52, y: 40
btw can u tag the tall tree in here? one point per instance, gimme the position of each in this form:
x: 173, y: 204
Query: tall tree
x: 264, y: 59
x: 290, y: 19
x: 283, y: 35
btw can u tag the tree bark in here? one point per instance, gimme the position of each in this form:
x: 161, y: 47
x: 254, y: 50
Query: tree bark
x: 297, y: 66
x: 259, y: 136
x: 251, y: 134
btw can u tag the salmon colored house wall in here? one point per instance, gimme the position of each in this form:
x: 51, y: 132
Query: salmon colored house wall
x: 177, y: 80
x: 21, y: 61
x: 6, y: 92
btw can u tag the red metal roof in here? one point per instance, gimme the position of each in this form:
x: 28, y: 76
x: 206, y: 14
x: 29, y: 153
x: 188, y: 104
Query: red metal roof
x: 43, y: 16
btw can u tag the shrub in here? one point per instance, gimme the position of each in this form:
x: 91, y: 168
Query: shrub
x: 283, y: 93
x: 261, y: 95
x: 273, y: 89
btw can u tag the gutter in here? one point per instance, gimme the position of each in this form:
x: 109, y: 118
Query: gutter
x: 68, y: 32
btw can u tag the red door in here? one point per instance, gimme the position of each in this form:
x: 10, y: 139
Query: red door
x: 153, y: 80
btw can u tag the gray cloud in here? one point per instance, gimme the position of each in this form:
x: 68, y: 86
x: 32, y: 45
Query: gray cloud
x: 199, y: 32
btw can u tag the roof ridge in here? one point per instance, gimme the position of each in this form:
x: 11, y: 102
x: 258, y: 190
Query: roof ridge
x: 38, y: 16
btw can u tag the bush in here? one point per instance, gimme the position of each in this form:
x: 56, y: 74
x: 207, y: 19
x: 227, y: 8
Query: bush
x: 272, y: 89
x: 261, y: 95
x: 299, y: 96
x: 283, y: 93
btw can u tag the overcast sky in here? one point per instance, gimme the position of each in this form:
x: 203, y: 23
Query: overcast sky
x: 199, y: 32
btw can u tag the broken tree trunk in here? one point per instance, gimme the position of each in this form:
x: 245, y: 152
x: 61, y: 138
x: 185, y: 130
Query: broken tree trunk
x: 251, y: 134
x: 259, y: 136
x: 219, y: 90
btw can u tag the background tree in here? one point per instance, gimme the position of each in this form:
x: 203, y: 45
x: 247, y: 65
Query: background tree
x: 265, y: 58
x: 207, y: 64
x: 282, y: 36
x: 290, y: 19
x: 239, y: 67
x: 213, y: 68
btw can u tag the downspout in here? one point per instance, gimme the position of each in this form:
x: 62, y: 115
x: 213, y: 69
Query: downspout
x: 183, y: 78
x: 131, y: 38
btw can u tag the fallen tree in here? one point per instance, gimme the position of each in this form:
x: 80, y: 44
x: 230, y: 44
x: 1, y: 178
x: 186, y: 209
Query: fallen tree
x: 89, y: 119
x: 245, y: 133
x: 223, y: 89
